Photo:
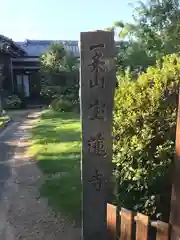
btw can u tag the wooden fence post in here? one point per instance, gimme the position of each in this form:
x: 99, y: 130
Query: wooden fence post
x: 127, y: 220
x: 162, y: 231
x: 111, y: 221
x: 142, y: 227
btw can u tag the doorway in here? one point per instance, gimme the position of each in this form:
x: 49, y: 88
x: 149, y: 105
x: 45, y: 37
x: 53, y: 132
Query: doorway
x: 23, y: 82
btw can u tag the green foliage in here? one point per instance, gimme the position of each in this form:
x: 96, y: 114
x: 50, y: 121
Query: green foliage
x: 57, y: 59
x: 3, y: 120
x: 144, y: 130
x: 59, y: 70
x: 68, y: 101
x: 62, y: 104
x: 12, y: 102
x: 133, y: 56
x: 158, y: 26
x: 152, y: 35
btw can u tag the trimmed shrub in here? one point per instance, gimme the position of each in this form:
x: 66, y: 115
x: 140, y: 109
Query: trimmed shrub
x: 62, y: 104
x: 144, y: 137
x: 12, y: 102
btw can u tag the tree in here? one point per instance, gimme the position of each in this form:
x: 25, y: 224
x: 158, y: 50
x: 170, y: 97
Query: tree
x: 57, y: 59
x: 153, y: 34
x: 158, y: 26
x: 132, y: 55
x: 59, y: 69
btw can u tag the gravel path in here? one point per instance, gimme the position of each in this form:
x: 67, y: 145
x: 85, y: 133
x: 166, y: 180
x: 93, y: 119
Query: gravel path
x: 24, y: 214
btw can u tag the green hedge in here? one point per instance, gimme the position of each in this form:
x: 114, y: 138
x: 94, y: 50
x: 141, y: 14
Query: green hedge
x: 12, y: 102
x: 68, y: 101
x: 61, y: 104
x: 144, y: 144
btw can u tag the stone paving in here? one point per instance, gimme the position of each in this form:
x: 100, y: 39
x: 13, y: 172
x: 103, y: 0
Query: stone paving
x: 24, y: 214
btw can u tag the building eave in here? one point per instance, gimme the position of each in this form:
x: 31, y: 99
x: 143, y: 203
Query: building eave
x: 15, y: 49
x: 25, y: 59
x: 20, y: 67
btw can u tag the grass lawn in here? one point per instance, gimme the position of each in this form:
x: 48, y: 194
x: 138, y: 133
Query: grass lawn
x: 56, y: 139
x: 3, y: 119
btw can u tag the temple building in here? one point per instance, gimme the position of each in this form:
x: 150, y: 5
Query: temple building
x: 19, y: 63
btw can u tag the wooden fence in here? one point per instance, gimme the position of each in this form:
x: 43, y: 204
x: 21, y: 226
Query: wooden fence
x: 128, y: 225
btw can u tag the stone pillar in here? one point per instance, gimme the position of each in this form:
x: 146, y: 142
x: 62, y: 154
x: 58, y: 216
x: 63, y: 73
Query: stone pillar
x: 97, y: 97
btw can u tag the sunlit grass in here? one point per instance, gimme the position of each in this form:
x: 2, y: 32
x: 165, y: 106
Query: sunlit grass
x: 56, y: 139
x: 3, y: 119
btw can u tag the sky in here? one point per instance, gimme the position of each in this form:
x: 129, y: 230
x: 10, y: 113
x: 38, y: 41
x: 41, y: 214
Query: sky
x: 59, y: 19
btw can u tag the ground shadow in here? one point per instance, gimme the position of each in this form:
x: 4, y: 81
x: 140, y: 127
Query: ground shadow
x: 57, y: 136
x: 62, y: 185
x: 44, y: 134
x: 6, y: 154
x: 8, y: 146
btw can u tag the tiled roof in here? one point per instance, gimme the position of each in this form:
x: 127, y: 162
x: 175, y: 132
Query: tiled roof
x: 7, y: 45
x: 37, y: 47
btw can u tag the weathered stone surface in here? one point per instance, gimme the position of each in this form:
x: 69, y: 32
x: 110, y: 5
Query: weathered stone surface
x: 97, y: 95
